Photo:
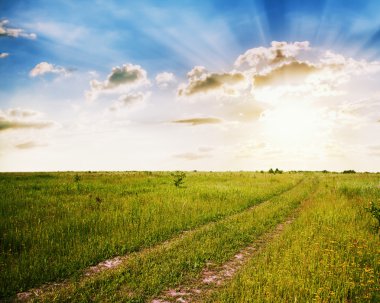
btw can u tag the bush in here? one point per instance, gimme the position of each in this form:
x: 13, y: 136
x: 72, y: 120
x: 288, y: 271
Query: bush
x: 178, y: 178
x: 349, y: 171
x: 76, y: 178
x: 277, y: 171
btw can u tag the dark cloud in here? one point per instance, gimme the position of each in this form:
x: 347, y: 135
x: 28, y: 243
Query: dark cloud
x: 210, y: 82
x: 290, y: 73
x: 198, y: 121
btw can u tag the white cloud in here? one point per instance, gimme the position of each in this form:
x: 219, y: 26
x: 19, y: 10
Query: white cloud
x: 14, y: 32
x: 165, y: 79
x: 22, y: 113
x: 18, y: 118
x: 45, y: 68
x: 198, y: 121
x: 261, y: 57
x: 200, y: 81
x: 297, y: 70
x: 29, y: 145
x: 3, y: 55
x: 128, y: 100
x: 121, y: 79
x: 192, y: 156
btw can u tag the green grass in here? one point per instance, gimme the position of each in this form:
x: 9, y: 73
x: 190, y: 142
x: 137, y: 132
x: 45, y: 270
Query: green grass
x: 330, y: 254
x: 146, y: 274
x: 52, y: 226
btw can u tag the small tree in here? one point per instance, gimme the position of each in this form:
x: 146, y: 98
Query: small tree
x: 178, y: 178
x: 271, y: 171
x: 277, y: 171
x: 349, y: 171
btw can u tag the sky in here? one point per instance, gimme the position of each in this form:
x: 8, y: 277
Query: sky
x: 189, y: 85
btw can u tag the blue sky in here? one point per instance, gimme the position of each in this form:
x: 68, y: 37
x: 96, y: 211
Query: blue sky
x: 85, y: 40
x: 100, y: 34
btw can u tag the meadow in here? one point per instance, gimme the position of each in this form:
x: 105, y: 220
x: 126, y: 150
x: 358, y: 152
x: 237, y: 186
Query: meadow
x: 54, y: 226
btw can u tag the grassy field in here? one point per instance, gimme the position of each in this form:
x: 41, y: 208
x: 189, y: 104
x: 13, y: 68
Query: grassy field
x: 330, y: 254
x: 55, y: 225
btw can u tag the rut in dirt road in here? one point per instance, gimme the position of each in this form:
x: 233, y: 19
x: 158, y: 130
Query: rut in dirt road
x: 118, y: 261
x: 213, y: 276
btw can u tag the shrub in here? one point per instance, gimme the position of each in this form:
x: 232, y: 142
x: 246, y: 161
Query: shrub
x: 178, y: 178
x: 76, y: 178
x: 349, y: 171
x: 277, y: 171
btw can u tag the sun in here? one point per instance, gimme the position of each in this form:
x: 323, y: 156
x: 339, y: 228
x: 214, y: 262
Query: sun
x: 294, y: 126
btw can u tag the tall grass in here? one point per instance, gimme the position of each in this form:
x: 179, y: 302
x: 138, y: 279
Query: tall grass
x: 54, y: 224
x: 330, y: 254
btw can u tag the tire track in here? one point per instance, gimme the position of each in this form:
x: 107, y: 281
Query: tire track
x: 214, y: 276
x: 118, y: 261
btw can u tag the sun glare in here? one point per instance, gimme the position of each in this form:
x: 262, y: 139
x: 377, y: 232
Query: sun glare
x: 293, y: 127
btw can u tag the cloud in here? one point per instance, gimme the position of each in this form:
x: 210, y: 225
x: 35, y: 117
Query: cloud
x: 200, y: 81
x: 22, y: 119
x: 198, y: 121
x: 5, y: 31
x: 6, y: 124
x: 128, y: 100
x: 197, y: 72
x: 296, y: 70
x: 121, y: 78
x: 45, y: 68
x: 205, y: 149
x: 374, y: 150
x: 288, y: 73
x: 251, y: 148
x: 22, y: 113
x: 374, y: 147
x: 28, y: 145
x: 3, y: 55
x: 243, y: 110
x: 191, y: 156
x: 165, y: 79
x: 261, y: 57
